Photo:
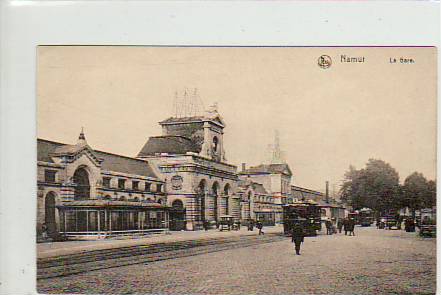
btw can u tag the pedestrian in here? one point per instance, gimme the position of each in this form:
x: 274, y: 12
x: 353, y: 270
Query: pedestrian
x: 297, y: 236
x: 260, y: 227
x: 250, y: 225
x: 352, y: 227
x: 238, y: 225
x: 328, y: 224
x: 346, y: 226
x: 205, y: 225
x: 339, y: 225
x: 333, y: 226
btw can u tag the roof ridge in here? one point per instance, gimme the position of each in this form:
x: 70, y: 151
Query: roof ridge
x: 51, y: 141
x: 122, y: 156
x: 171, y: 135
x: 108, y: 153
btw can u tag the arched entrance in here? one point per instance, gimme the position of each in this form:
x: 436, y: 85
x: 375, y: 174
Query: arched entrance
x: 49, y: 214
x: 215, y: 195
x: 82, y: 185
x: 227, y: 198
x: 202, y: 188
x: 177, y: 216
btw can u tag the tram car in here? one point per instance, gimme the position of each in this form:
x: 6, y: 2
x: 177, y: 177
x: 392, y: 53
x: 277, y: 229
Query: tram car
x: 306, y: 212
x: 366, y: 217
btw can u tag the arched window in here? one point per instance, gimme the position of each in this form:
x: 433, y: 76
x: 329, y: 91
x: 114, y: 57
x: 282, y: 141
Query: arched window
x: 82, y: 185
x: 215, y: 144
x: 177, y: 204
x: 227, y: 189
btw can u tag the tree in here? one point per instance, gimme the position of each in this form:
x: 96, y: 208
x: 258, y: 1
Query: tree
x: 430, y: 200
x: 418, y: 192
x: 376, y: 186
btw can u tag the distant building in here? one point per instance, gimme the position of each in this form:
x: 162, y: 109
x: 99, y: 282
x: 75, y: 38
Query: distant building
x: 190, y: 157
x: 276, y: 179
x: 256, y: 203
x: 85, y: 192
x: 300, y: 193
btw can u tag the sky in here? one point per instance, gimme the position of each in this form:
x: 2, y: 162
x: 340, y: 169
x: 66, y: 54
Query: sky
x: 327, y: 119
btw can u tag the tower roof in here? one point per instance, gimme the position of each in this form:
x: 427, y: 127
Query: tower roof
x: 195, y: 119
x: 268, y: 169
x: 170, y: 144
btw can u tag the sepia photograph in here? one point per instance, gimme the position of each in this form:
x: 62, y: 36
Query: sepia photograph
x: 236, y: 170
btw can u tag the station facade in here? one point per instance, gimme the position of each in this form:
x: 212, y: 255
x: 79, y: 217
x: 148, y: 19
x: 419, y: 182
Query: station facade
x: 190, y: 157
x: 180, y: 180
x: 85, y: 192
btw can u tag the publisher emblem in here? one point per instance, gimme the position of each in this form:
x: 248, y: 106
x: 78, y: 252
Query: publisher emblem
x: 324, y: 61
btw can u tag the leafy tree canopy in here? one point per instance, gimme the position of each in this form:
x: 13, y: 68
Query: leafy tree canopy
x: 377, y: 186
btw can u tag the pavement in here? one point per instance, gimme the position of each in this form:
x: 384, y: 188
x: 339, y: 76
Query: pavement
x: 53, y: 249
x: 372, y: 262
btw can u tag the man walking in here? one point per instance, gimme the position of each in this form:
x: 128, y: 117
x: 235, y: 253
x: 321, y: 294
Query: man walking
x: 352, y: 227
x: 328, y: 224
x: 346, y: 225
x: 339, y: 225
x: 298, y: 235
x: 260, y: 226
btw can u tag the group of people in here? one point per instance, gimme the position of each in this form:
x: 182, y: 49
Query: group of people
x: 258, y: 224
x: 346, y: 224
x: 298, y: 232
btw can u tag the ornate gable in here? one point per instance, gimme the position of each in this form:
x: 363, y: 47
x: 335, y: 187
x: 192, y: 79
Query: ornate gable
x: 69, y: 153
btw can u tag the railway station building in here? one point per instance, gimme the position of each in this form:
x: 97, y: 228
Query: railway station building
x: 82, y: 192
x: 190, y: 157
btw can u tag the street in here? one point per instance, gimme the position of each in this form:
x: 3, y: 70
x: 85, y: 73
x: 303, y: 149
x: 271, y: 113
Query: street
x: 374, y: 261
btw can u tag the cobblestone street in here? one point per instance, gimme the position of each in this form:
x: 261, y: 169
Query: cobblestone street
x: 373, y: 262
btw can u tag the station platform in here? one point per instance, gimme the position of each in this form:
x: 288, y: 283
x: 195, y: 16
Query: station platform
x: 54, y: 249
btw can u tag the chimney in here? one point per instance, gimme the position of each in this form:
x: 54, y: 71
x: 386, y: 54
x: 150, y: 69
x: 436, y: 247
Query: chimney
x: 244, y: 166
x: 327, y: 191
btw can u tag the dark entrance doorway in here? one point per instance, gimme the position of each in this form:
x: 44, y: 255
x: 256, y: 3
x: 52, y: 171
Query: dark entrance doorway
x: 49, y: 214
x: 177, y: 216
x: 215, y: 195
x: 82, y: 185
x: 201, y: 200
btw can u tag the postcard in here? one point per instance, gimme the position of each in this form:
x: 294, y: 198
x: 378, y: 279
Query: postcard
x: 236, y: 170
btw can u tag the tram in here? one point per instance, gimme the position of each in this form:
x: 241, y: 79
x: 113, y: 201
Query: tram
x: 307, y: 212
x: 366, y: 217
